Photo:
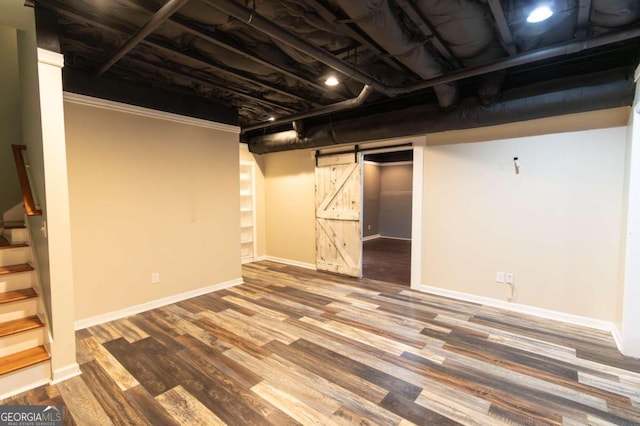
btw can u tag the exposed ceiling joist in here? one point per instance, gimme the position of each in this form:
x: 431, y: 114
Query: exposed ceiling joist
x: 76, y: 17
x: 185, y: 25
x: 225, y: 70
x: 584, y: 13
x: 154, y: 22
x: 503, y: 27
x: 272, y: 62
x: 429, y: 32
x: 330, y: 17
x: 231, y: 91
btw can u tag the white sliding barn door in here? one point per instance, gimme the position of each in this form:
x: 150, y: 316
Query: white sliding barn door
x: 338, y: 211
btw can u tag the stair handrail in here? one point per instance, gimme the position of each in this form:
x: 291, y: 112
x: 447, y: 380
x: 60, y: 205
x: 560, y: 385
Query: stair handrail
x: 31, y: 205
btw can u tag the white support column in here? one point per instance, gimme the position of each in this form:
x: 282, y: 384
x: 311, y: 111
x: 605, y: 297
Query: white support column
x: 630, y: 332
x: 58, y: 230
x: 417, y: 212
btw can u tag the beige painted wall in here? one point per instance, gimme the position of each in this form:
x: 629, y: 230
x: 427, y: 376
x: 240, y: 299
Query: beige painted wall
x: 556, y: 225
x: 290, y: 205
x: 371, y: 196
x: 148, y: 195
x: 261, y: 218
x: 395, y: 200
x: 10, y: 119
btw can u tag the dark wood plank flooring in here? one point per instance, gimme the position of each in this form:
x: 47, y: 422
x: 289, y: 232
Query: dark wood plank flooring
x: 293, y: 346
x: 388, y: 260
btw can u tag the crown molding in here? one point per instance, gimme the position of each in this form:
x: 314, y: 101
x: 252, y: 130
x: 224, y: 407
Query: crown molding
x: 85, y: 100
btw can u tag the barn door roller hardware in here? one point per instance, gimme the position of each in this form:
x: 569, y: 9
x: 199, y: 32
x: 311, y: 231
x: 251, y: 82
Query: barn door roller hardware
x: 357, y: 150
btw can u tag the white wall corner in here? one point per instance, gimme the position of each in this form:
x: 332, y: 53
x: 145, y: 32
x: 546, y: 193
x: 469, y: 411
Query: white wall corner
x: 64, y: 373
x: 617, y: 337
x: 50, y: 58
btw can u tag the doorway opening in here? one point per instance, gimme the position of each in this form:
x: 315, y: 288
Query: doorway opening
x: 387, y: 216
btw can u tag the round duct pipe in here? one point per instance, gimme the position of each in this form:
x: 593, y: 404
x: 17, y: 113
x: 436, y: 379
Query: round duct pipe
x: 588, y: 93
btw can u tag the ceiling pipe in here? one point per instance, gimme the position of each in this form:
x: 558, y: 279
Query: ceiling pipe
x: 522, y: 59
x: 156, y: 20
x: 614, y: 13
x: 340, y: 106
x: 206, y: 35
x: 82, y: 18
x: 565, y: 96
x: 254, y: 20
x: 258, y: 22
x: 381, y: 23
x: 465, y: 25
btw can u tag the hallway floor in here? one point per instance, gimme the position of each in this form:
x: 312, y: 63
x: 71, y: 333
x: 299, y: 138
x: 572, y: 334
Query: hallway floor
x: 388, y: 260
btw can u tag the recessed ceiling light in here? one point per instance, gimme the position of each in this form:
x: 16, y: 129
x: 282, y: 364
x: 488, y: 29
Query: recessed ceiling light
x: 539, y: 14
x: 332, y: 81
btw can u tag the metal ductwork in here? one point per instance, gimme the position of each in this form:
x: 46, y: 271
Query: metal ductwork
x: 381, y: 23
x: 267, y: 60
x: 467, y: 29
x: 587, y: 93
x: 614, y: 13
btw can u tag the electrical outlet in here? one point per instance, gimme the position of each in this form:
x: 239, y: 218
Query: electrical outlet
x: 368, y: 227
x: 155, y: 278
x: 509, y: 277
x: 500, y: 277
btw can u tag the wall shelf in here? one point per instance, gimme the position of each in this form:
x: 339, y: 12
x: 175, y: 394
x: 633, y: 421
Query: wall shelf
x: 247, y: 212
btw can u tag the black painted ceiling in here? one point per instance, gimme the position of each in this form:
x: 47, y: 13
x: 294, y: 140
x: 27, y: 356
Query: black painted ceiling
x: 203, y: 51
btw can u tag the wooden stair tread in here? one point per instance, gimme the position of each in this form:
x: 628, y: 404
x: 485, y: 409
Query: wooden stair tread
x: 5, y: 244
x: 13, y: 269
x: 13, y: 224
x: 17, y: 295
x: 16, y: 326
x: 23, y: 359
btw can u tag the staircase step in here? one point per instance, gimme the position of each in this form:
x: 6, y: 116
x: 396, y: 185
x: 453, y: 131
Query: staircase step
x: 14, y: 255
x: 17, y: 295
x: 15, y: 235
x: 17, y: 326
x: 17, y: 281
x: 23, y: 359
x: 18, y: 309
x: 13, y: 224
x: 5, y: 244
x: 13, y: 269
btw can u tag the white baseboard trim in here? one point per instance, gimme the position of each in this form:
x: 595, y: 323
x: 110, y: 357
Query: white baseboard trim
x: 395, y: 238
x: 290, y: 262
x: 132, y: 310
x: 65, y: 373
x: 524, y: 309
x: 261, y: 258
x: 31, y: 385
x: 371, y: 237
